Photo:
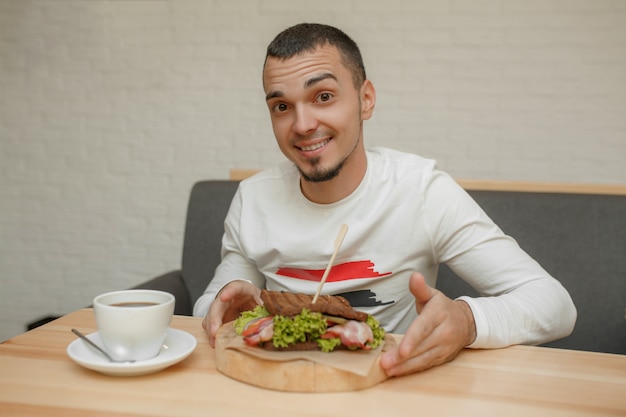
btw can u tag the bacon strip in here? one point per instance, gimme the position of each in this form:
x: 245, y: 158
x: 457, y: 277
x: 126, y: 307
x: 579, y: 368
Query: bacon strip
x: 258, y: 331
x: 352, y: 334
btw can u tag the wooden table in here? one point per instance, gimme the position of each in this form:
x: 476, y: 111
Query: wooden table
x: 38, y: 378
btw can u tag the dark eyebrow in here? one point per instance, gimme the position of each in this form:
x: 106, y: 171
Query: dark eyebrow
x: 312, y: 81
x: 273, y: 94
x: 307, y: 84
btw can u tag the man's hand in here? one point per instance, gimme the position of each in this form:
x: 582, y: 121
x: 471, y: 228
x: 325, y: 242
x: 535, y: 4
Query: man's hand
x: 235, y: 297
x: 441, y: 330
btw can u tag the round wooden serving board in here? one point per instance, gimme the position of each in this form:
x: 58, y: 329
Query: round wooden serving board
x: 295, y: 375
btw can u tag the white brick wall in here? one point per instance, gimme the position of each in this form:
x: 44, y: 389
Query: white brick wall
x: 111, y: 110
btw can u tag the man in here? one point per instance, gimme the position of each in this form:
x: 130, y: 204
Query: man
x: 405, y: 217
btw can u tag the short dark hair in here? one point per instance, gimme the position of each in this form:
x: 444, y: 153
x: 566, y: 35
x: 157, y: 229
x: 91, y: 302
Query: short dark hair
x: 306, y: 37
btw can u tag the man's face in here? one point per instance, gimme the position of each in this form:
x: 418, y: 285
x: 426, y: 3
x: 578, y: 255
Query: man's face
x: 317, y: 113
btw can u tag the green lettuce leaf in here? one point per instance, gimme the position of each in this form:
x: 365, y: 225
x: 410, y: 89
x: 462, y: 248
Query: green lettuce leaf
x: 302, y: 327
x: 247, y: 316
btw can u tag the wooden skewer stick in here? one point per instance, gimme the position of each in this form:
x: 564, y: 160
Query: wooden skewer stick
x: 338, y: 242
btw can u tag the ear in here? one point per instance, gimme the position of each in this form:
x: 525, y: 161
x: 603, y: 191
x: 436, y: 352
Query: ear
x: 368, y: 99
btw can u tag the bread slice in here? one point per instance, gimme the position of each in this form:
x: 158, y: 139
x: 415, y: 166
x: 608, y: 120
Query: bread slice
x: 289, y: 304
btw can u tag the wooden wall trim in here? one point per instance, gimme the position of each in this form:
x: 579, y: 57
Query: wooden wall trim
x: 543, y: 187
x: 242, y: 174
x: 498, y: 185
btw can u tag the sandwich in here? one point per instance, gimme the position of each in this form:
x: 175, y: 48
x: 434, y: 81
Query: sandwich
x: 290, y: 321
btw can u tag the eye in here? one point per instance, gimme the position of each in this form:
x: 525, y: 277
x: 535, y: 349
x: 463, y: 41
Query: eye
x: 324, y: 97
x: 280, y: 107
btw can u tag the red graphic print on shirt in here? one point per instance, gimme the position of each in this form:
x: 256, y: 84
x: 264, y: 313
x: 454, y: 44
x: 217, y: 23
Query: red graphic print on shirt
x: 340, y: 272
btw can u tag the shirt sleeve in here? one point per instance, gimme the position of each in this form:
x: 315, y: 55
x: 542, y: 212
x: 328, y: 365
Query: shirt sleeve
x: 520, y: 303
x: 234, y: 264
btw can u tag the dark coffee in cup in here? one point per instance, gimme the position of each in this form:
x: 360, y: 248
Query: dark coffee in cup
x: 135, y: 304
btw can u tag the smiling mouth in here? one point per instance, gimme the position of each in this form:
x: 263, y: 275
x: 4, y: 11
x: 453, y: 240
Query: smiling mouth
x: 313, y: 147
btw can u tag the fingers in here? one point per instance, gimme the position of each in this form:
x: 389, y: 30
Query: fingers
x: 234, y: 298
x: 431, y: 339
x: 414, y: 352
x: 420, y: 290
x: 396, y: 366
x: 420, y: 349
x: 213, y: 320
x: 421, y: 328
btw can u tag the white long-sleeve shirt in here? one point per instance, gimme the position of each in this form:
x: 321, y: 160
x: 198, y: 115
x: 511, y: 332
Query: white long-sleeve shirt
x: 405, y: 216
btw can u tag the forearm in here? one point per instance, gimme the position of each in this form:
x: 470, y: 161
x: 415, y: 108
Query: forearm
x: 536, y: 312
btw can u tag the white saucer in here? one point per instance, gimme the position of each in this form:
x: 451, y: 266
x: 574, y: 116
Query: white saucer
x: 177, y: 346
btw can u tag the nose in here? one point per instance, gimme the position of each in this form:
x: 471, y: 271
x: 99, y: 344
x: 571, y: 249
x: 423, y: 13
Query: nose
x: 305, y: 121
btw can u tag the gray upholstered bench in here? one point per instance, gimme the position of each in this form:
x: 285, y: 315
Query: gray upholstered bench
x: 579, y: 238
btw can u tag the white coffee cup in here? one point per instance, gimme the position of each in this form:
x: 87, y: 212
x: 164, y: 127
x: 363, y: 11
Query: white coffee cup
x: 133, y: 324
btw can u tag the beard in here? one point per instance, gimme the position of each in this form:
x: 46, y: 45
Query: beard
x: 321, y: 175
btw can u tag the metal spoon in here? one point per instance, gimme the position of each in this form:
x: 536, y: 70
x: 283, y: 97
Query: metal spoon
x: 86, y: 339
